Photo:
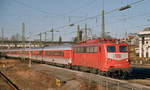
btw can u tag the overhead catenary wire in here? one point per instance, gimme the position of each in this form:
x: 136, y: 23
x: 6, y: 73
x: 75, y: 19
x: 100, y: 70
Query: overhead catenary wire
x: 37, y: 9
x: 43, y: 11
x: 93, y: 17
x: 77, y: 9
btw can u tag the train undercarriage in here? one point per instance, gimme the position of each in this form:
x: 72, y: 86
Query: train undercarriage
x: 113, y: 73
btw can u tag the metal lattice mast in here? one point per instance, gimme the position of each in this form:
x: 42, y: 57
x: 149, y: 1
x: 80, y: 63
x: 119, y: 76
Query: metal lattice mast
x: 40, y: 39
x: 78, y: 32
x: 2, y: 30
x: 85, y: 36
x: 103, y: 21
x: 45, y: 36
x: 23, y: 40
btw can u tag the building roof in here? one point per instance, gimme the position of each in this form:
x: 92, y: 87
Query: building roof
x: 145, y: 31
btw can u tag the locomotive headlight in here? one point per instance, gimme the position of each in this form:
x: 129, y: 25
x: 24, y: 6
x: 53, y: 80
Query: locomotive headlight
x: 127, y: 60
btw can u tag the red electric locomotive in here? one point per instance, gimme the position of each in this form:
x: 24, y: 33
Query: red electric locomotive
x: 107, y: 57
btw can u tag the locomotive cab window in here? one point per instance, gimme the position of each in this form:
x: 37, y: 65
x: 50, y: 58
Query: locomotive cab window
x: 111, y: 48
x: 123, y: 48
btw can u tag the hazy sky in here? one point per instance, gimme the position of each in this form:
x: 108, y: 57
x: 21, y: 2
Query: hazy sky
x: 41, y: 15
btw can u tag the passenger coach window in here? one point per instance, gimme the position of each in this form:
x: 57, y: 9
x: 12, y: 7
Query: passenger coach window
x: 123, y: 48
x: 111, y: 48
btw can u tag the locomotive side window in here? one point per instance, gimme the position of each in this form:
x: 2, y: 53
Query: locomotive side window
x: 123, y: 48
x: 111, y: 48
x: 86, y: 49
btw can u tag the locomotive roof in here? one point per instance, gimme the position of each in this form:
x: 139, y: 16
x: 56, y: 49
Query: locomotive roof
x: 96, y: 42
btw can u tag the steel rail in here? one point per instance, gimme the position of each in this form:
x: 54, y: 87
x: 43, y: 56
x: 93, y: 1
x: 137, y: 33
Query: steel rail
x: 10, y: 83
x: 122, y: 83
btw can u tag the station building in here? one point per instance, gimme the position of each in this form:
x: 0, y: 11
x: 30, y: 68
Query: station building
x: 144, y: 43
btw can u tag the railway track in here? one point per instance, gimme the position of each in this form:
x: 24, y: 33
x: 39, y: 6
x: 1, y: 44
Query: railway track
x: 140, y: 73
x: 9, y: 82
x: 136, y: 74
x: 106, y: 81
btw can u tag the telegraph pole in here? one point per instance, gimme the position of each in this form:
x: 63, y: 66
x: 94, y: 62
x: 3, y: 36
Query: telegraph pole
x: 85, y: 35
x: 23, y: 35
x: 23, y: 39
x: 17, y: 35
x: 78, y: 33
x: 40, y: 39
x: 45, y: 36
x: 52, y: 32
x: 103, y: 21
x: 2, y: 31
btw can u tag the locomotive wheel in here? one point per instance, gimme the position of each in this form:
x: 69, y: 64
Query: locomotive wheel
x: 100, y: 72
x: 88, y: 70
x: 112, y: 75
x: 75, y: 67
x: 68, y: 66
x: 108, y: 74
x: 95, y: 71
x: 124, y: 75
x: 104, y: 73
x: 63, y: 66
